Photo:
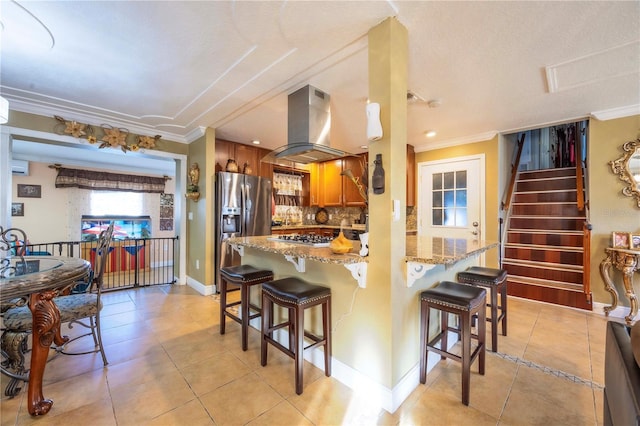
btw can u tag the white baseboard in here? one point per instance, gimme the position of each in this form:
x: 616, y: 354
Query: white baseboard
x: 619, y: 312
x: 374, y: 393
x: 205, y: 290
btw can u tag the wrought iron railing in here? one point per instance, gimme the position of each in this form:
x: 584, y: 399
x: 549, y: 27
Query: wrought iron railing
x: 134, y: 262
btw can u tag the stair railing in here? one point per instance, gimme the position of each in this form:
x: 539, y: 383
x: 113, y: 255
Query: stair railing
x: 586, y: 259
x: 514, y: 173
x: 506, y: 205
x: 580, y: 177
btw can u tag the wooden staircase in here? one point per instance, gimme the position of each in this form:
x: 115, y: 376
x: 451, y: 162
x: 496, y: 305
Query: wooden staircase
x: 545, y: 243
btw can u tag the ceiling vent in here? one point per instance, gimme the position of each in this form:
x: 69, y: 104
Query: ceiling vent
x: 20, y: 167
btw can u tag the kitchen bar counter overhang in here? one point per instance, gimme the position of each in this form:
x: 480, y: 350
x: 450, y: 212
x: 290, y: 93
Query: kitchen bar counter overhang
x: 297, y: 254
x: 422, y: 254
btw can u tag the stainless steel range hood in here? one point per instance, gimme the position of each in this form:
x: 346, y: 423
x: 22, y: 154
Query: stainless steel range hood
x: 309, y: 124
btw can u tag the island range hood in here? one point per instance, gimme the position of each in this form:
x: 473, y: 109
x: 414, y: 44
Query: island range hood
x: 309, y: 123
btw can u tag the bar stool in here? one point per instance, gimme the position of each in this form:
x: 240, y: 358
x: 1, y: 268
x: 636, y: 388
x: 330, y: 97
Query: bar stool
x: 296, y: 295
x: 244, y: 276
x: 462, y: 300
x: 496, y: 281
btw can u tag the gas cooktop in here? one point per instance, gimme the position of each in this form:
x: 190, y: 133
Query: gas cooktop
x: 312, y: 240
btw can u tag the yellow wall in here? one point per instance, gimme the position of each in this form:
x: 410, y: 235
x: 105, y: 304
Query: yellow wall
x: 610, y: 210
x: 492, y: 189
x: 200, y: 214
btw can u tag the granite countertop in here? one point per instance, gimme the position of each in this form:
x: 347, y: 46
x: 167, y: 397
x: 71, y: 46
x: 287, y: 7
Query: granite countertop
x: 319, y: 254
x: 444, y: 251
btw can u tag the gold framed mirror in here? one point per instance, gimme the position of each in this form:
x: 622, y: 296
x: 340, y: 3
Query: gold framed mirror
x: 627, y: 168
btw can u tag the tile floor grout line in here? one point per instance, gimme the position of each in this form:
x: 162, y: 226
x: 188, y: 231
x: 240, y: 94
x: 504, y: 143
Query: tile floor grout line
x: 548, y: 370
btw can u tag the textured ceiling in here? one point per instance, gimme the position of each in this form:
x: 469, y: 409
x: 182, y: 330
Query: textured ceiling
x: 174, y: 68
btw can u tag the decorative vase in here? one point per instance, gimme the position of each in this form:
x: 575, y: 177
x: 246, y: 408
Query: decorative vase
x: 247, y: 170
x: 232, y: 166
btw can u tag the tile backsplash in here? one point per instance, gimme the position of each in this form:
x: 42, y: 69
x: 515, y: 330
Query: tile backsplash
x: 350, y: 215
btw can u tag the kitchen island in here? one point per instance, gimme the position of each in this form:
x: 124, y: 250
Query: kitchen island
x: 362, y: 310
x: 297, y: 254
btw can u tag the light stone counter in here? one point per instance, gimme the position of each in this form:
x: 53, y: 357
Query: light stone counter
x: 424, y: 253
x: 299, y: 253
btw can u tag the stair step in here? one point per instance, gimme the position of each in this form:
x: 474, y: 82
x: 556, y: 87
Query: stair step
x: 563, y: 183
x: 542, y: 265
x: 545, y: 173
x: 544, y: 271
x: 545, y: 237
x: 545, y: 247
x: 561, y: 257
x: 545, y: 209
x: 547, y: 222
x: 546, y: 283
x: 556, y: 295
x: 545, y: 196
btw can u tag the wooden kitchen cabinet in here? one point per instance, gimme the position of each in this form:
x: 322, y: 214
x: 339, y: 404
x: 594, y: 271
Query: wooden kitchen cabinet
x: 266, y: 169
x: 250, y: 155
x: 351, y: 195
x: 242, y: 154
x: 314, y: 184
x: 224, y: 151
x: 330, y: 183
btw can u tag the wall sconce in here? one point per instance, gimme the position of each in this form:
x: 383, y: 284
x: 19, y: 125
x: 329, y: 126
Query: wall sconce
x: 193, y: 191
x: 374, y: 127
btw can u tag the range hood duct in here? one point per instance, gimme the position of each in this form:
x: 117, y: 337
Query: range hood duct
x: 309, y: 124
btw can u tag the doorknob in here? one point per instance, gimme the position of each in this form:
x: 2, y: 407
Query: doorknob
x: 476, y: 231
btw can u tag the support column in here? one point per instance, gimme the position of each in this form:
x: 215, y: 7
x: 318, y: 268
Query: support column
x: 388, y: 64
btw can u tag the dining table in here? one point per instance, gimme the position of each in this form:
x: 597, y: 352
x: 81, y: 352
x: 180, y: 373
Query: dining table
x: 36, y: 280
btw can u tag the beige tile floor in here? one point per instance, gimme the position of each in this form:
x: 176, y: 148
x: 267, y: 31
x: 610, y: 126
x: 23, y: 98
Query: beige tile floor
x: 168, y: 365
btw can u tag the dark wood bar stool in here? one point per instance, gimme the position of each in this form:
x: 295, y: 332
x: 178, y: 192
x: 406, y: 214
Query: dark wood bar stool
x: 296, y: 295
x: 462, y: 300
x: 496, y: 281
x: 244, y: 276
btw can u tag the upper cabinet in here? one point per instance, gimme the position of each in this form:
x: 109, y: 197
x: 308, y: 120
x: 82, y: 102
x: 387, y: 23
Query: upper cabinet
x: 351, y: 194
x: 243, y: 155
x: 330, y: 183
x: 323, y: 183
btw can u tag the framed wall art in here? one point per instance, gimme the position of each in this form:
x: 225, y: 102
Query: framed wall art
x: 634, y: 241
x: 620, y: 239
x: 17, y: 209
x: 29, y: 191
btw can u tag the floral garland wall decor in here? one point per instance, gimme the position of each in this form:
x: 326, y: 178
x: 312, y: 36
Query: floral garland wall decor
x: 113, y: 137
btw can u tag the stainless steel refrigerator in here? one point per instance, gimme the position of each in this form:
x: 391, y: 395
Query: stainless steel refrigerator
x: 242, y: 208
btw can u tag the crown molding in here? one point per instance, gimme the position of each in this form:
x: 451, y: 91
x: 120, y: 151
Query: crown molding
x: 480, y: 137
x: 91, y: 119
x: 196, y: 133
x: 613, y: 113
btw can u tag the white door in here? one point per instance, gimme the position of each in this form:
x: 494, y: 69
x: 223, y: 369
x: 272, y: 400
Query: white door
x: 451, y: 198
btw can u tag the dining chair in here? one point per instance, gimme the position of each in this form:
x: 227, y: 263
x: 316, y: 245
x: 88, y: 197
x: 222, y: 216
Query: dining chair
x: 77, y: 308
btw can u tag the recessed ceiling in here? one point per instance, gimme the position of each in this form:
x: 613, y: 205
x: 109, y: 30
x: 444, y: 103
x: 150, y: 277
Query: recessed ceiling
x: 174, y: 68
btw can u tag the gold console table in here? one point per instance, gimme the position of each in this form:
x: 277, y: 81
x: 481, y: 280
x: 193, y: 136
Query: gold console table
x: 628, y: 262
